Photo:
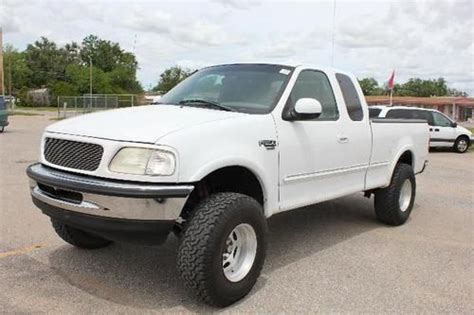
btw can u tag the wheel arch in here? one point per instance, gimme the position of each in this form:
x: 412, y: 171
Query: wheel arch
x: 463, y: 136
x: 237, y: 178
x: 406, y: 156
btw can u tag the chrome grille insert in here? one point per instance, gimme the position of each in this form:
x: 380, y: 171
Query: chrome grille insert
x: 73, y: 154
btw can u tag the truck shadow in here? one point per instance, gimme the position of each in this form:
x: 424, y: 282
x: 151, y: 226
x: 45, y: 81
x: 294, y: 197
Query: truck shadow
x: 146, y: 277
x: 300, y: 233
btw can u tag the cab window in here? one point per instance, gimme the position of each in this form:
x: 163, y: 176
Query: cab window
x: 351, y: 98
x: 374, y: 112
x: 441, y: 121
x: 315, y: 84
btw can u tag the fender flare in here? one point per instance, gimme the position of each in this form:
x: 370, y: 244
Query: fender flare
x: 221, y: 163
x: 401, y: 151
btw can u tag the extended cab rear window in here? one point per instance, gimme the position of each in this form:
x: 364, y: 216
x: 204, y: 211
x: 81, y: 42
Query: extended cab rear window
x: 374, y: 112
x: 351, y: 97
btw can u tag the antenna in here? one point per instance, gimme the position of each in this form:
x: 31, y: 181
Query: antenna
x: 333, y: 32
x: 134, y: 43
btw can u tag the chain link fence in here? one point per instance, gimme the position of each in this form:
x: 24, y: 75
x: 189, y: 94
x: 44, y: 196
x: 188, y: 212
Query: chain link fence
x: 75, y: 105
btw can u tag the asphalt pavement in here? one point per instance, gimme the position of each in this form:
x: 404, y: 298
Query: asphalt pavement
x: 330, y: 258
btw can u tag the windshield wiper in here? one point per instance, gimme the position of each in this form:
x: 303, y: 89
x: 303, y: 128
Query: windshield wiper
x: 207, y: 103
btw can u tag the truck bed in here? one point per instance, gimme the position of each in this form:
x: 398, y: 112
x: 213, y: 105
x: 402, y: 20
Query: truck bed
x: 389, y: 138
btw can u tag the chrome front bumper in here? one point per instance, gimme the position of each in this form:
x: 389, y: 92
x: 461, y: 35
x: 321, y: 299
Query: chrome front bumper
x: 107, y: 198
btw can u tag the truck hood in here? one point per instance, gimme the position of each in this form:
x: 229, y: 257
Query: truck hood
x: 145, y: 124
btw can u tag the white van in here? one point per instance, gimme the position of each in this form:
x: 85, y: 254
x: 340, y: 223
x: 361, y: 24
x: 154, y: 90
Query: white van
x: 444, y: 132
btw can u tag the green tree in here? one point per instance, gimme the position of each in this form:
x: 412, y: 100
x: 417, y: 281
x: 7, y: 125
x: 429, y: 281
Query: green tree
x: 46, y: 62
x: 119, y: 66
x: 106, y: 55
x: 15, y: 63
x: 72, y: 53
x: 370, y: 86
x: 62, y: 88
x: 171, y: 77
x: 423, y: 88
x: 123, y: 79
x: 79, y: 77
x: 65, y: 70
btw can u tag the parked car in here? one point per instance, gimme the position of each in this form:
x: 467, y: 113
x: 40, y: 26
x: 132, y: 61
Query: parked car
x: 444, y: 132
x: 224, y: 150
x: 10, y: 99
x: 3, y: 114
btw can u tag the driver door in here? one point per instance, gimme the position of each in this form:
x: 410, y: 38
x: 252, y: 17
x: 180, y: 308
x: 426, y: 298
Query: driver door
x: 442, y: 132
x: 310, y: 150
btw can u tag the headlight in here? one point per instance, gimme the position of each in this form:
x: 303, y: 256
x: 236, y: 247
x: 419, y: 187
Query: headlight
x: 142, y: 161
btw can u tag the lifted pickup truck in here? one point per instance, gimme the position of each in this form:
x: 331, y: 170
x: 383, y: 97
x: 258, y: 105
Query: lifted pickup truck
x: 224, y: 150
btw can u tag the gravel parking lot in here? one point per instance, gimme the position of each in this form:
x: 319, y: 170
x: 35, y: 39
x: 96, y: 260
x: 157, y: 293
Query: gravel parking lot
x: 333, y: 257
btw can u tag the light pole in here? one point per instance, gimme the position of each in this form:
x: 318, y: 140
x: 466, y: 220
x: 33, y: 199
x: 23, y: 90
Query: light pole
x: 90, y: 82
x: 2, y: 77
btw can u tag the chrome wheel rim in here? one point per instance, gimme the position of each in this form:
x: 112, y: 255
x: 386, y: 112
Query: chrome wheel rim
x: 462, y: 145
x: 405, y: 196
x: 239, y: 252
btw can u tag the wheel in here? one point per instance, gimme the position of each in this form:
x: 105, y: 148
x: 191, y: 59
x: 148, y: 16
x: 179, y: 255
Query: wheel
x: 2, y: 129
x: 222, y: 248
x: 461, y: 144
x: 394, y: 203
x: 77, y: 237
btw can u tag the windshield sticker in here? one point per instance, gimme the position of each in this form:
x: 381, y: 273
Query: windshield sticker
x: 285, y: 71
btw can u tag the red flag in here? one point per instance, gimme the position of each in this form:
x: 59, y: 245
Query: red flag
x: 391, y: 80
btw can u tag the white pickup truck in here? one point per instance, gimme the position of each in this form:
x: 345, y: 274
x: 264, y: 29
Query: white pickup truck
x: 224, y: 150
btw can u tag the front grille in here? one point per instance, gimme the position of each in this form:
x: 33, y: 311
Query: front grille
x: 73, y: 154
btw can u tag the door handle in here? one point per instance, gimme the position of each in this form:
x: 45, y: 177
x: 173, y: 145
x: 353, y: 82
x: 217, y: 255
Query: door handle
x: 342, y: 139
x: 436, y: 129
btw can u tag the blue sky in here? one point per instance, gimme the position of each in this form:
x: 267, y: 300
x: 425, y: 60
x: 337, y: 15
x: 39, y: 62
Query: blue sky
x: 426, y: 39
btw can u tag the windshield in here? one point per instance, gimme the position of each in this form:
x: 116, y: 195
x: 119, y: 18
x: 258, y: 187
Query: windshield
x: 247, y: 88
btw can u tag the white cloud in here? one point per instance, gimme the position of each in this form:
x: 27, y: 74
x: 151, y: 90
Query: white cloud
x: 423, y: 38
x: 426, y: 39
x: 238, y: 4
x: 182, y: 30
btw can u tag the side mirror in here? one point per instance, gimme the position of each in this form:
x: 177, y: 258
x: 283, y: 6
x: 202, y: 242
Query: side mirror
x: 454, y: 124
x: 305, y: 108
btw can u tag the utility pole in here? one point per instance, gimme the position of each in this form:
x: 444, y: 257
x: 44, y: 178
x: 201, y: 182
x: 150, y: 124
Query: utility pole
x: 10, y: 75
x: 2, y: 77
